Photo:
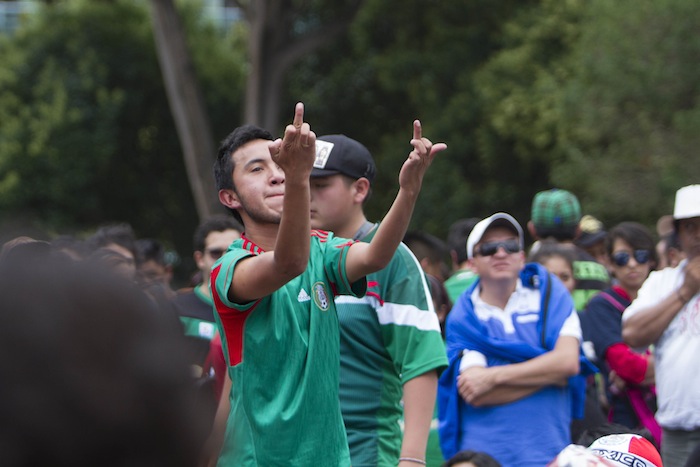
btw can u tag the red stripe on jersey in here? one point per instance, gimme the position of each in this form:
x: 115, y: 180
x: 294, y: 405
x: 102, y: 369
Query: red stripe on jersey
x: 321, y: 234
x: 377, y: 296
x: 251, y: 246
x: 232, y: 321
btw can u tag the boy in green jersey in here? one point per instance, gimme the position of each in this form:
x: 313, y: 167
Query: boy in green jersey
x: 390, y: 342
x: 274, y: 294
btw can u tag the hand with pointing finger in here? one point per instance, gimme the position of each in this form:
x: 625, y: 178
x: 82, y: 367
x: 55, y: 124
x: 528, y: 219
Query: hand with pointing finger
x: 418, y: 161
x: 296, y: 151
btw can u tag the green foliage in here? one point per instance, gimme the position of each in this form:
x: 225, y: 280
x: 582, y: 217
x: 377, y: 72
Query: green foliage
x: 630, y: 138
x: 407, y: 60
x: 594, y: 96
x: 86, y: 135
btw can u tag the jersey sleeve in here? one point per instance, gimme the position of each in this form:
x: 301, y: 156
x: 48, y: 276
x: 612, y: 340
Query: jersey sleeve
x: 222, y: 278
x: 408, y: 322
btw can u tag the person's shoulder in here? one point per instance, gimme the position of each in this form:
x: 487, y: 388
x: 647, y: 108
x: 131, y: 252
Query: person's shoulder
x: 323, y: 238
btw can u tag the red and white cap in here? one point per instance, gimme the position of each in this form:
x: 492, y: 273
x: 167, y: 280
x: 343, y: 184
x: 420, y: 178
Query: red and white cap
x: 627, y: 450
x: 577, y: 456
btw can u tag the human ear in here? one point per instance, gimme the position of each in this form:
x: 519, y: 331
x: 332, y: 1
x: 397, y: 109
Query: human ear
x: 361, y: 189
x: 228, y: 198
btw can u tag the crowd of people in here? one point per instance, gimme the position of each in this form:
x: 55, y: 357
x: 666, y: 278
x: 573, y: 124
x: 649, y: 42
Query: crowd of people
x: 551, y: 342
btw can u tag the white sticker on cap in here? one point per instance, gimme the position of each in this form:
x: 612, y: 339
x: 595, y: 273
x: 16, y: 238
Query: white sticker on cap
x: 323, y: 150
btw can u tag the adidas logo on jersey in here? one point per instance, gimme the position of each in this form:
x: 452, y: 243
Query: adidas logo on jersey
x: 303, y: 296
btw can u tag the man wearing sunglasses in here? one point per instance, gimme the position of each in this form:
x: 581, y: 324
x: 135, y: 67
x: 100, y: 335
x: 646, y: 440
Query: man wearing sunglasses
x: 513, y: 343
x: 666, y: 313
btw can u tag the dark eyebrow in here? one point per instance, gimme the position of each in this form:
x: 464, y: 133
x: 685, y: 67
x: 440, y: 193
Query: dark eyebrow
x: 253, y: 162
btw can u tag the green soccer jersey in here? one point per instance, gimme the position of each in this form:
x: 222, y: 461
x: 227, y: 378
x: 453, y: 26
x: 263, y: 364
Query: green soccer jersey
x: 282, y: 352
x: 386, y: 338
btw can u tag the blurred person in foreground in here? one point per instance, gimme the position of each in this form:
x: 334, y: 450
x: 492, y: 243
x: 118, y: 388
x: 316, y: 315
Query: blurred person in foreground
x: 91, y: 374
x: 513, y: 343
x: 666, y: 313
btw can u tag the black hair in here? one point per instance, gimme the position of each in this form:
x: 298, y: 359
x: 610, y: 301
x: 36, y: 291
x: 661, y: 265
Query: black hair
x: 217, y: 223
x: 150, y: 249
x: 224, y: 165
x: 560, y: 233
x: 671, y: 241
x: 479, y: 459
x: 551, y: 248
x: 119, y: 234
x: 637, y: 236
x: 425, y: 245
x: 457, y: 237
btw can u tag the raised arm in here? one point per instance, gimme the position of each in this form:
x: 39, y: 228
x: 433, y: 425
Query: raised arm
x: 259, y: 276
x: 365, y: 258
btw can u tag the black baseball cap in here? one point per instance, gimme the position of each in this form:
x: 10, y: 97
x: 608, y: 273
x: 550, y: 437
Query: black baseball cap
x: 338, y: 154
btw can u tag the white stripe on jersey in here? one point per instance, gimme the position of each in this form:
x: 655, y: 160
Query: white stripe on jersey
x: 393, y: 313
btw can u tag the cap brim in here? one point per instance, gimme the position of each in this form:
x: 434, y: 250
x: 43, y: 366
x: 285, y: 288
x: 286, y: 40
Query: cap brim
x: 323, y: 172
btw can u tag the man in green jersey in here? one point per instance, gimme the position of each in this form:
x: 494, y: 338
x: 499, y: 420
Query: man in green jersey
x: 211, y: 239
x: 195, y: 307
x: 390, y: 342
x: 274, y: 294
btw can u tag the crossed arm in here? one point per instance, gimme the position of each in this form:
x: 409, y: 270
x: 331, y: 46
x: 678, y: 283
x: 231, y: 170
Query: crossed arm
x: 496, y: 385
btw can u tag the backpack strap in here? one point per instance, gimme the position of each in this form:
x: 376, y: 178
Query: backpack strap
x: 545, y: 310
x: 613, y: 301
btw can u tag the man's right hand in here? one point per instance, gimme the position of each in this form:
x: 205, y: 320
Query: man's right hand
x: 296, y: 151
x: 691, y: 283
x: 418, y: 161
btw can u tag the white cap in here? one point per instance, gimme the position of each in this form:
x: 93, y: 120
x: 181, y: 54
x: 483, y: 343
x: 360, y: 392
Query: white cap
x: 687, y: 202
x: 578, y: 456
x: 500, y: 219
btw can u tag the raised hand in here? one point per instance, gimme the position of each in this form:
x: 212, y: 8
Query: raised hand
x: 418, y: 161
x: 296, y: 151
x: 691, y: 281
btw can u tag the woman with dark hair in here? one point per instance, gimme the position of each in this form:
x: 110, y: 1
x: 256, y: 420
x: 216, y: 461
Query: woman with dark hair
x: 628, y: 373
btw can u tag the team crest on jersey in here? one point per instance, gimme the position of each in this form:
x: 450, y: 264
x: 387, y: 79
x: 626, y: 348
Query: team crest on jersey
x: 321, y: 297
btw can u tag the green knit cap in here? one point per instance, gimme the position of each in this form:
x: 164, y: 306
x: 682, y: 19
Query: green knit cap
x: 555, y: 208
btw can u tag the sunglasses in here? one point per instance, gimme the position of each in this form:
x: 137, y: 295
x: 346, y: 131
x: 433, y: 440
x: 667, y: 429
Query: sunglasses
x: 215, y: 253
x: 490, y: 248
x: 622, y: 258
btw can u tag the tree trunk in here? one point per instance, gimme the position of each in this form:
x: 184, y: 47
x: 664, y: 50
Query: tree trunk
x: 186, y: 104
x: 273, y: 50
